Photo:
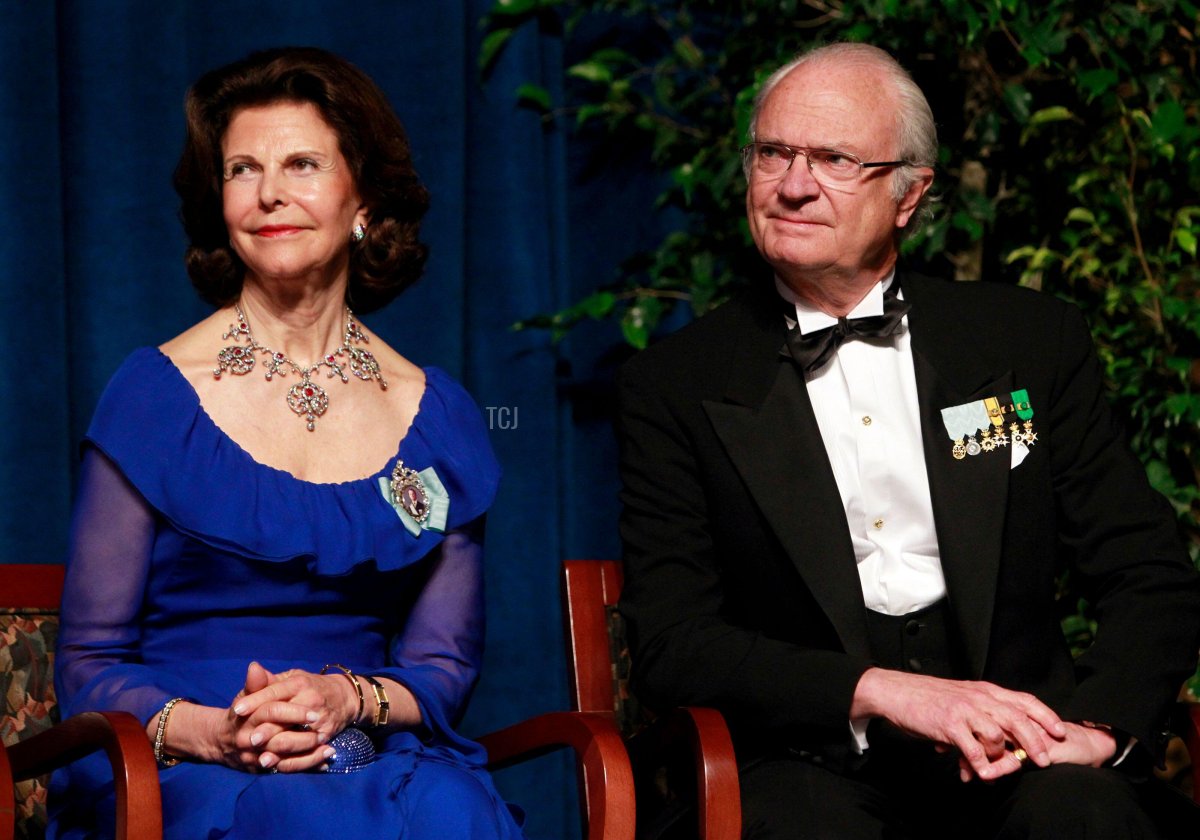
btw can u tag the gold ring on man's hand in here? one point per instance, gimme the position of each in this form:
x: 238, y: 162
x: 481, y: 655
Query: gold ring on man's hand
x: 1020, y: 755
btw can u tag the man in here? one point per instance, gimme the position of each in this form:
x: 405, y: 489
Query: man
x: 850, y: 547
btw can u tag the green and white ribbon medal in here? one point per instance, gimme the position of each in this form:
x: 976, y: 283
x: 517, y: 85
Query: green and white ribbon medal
x: 1024, y: 412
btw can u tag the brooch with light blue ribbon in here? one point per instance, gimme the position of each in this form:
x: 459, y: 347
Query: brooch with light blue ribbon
x: 419, y: 498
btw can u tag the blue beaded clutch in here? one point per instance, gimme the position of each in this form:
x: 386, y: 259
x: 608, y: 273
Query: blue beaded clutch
x: 353, y: 750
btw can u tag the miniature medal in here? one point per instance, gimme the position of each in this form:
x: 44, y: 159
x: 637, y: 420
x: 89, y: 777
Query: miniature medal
x: 962, y: 422
x: 952, y: 420
x: 986, y: 443
x: 1017, y: 437
x: 976, y: 419
x: 996, y: 416
x: 1024, y: 411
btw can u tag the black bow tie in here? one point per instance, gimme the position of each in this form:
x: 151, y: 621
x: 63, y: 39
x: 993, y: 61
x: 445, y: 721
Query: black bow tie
x: 812, y: 350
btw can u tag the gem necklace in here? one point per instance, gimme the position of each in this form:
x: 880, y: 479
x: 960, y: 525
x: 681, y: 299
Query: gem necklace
x: 307, y: 399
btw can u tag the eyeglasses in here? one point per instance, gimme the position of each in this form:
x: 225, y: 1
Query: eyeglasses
x: 773, y: 160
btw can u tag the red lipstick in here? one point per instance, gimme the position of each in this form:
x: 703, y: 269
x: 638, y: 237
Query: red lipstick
x: 275, y: 230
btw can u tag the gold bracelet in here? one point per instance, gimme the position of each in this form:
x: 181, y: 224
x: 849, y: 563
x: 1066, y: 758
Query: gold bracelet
x: 353, y: 681
x: 160, y: 736
x: 382, y: 706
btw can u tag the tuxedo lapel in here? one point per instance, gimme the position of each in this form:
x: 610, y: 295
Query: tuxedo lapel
x: 969, y: 495
x: 766, y: 424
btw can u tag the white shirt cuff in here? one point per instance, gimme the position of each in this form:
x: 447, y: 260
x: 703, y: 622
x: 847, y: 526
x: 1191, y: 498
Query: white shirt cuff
x: 858, y: 731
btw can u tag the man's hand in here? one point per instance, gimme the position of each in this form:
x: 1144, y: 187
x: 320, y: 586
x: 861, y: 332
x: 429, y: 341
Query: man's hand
x: 1082, y: 745
x: 982, y: 721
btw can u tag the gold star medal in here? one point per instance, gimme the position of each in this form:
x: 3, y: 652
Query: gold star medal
x: 996, y: 416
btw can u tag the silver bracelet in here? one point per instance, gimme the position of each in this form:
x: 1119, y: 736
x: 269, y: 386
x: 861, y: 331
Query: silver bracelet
x: 160, y: 736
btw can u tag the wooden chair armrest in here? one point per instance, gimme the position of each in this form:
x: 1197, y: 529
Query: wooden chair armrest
x: 607, y: 783
x: 135, y: 773
x: 700, y: 734
x: 717, y: 791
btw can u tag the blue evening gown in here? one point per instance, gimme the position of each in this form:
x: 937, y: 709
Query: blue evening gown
x: 189, y: 560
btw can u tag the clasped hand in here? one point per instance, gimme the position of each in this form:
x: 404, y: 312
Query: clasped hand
x: 984, y: 723
x: 284, y: 721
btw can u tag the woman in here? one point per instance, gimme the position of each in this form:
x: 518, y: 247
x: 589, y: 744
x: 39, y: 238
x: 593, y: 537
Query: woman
x: 278, y: 483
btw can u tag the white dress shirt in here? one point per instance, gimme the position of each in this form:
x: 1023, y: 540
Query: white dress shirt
x: 865, y: 400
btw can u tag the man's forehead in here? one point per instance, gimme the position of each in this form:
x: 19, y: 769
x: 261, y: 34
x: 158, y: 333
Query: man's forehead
x: 829, y: 105
x: 826, y: 83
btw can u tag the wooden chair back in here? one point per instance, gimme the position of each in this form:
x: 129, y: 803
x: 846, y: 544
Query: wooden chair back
x: 600, y: 663
x: 599, y: 658
x: 599, y: 667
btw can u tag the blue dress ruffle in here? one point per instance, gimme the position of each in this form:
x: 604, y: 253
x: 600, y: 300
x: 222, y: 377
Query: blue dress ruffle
x: 150, y: 422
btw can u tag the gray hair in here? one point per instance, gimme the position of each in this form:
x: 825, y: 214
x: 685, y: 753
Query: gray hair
x: 916, y: 128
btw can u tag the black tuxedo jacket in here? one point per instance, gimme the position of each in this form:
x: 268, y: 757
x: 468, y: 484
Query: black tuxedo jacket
x: 741, y: 587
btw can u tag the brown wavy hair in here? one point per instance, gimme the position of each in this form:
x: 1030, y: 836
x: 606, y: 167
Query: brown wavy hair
x: 370, y: 137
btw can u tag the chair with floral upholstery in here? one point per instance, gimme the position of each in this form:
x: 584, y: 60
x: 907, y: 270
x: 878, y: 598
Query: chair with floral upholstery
x: 34, y: 740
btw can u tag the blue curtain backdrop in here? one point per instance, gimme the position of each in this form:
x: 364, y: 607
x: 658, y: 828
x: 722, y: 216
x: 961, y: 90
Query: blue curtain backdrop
x: 90, y: 268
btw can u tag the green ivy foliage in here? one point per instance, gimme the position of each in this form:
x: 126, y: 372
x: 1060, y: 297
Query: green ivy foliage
x: 1069, y: 162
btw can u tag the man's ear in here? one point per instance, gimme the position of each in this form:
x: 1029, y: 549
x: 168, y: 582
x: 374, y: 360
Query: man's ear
x: 912, y: 198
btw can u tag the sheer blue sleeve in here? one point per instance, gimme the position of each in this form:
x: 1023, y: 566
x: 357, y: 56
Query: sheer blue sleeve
x: 98, y: 664
x: 438, y: 654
